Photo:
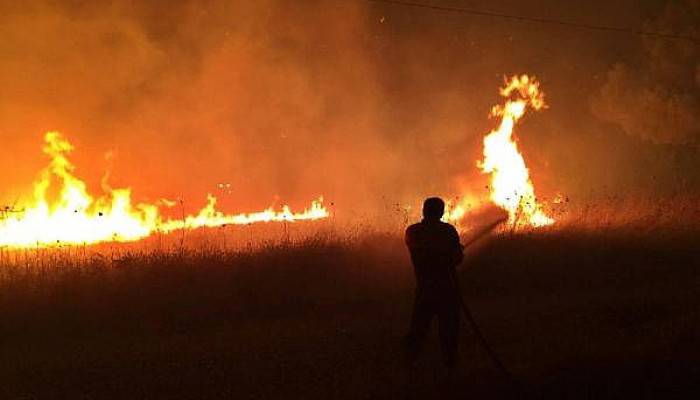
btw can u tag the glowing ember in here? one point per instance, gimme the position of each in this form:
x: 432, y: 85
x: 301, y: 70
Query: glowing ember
x: 73, y: 216
x: 511, y: 187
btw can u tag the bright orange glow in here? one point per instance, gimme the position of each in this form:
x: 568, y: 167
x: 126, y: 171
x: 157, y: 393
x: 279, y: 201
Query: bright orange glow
x: 511, y: 187
x: 455, y: 212
x: 70, y: 215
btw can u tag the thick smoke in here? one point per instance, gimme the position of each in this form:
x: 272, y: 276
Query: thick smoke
x: 274, y: 97
x: 369, y: 104
x: 657, y: 98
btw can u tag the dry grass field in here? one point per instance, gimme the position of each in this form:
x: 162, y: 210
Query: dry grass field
x: 604, y: 304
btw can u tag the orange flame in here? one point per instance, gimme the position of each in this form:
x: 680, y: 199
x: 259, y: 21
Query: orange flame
x: 511, y: 187
x: 76, y: 217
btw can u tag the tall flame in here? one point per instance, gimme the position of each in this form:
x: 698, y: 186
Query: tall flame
x: 70, y: 215
x: 511, y: 187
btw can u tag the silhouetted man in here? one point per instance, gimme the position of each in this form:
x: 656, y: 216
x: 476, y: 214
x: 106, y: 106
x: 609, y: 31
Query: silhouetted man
x: 435, y: 253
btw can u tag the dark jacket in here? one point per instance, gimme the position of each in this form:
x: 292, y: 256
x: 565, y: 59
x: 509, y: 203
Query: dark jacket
x: 435, y: 252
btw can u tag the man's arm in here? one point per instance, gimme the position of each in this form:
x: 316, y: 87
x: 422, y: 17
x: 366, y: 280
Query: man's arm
x: 410, y: 240
x: 456, y: 247
x: 408, y: 237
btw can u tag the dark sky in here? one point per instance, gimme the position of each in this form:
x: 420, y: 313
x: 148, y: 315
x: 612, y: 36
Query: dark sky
x: 351, y: 99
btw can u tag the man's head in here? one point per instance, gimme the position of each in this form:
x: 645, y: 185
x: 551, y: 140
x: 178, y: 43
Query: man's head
x: 433, y: 208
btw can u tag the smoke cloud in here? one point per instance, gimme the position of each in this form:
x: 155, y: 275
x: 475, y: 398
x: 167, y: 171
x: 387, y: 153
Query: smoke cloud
x: 368, y: 104
x: 658, y: 97
x: 275, y: 98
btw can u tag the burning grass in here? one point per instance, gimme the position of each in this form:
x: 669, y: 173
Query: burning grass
x: 594, y: 305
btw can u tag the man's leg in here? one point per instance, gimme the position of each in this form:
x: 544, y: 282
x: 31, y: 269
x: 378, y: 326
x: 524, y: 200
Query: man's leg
x: 449, y: 332
x: 415, y: 339
x: 420, y: 325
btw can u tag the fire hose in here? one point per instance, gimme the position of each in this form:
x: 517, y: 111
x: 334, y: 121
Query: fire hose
x: 495, y: 359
